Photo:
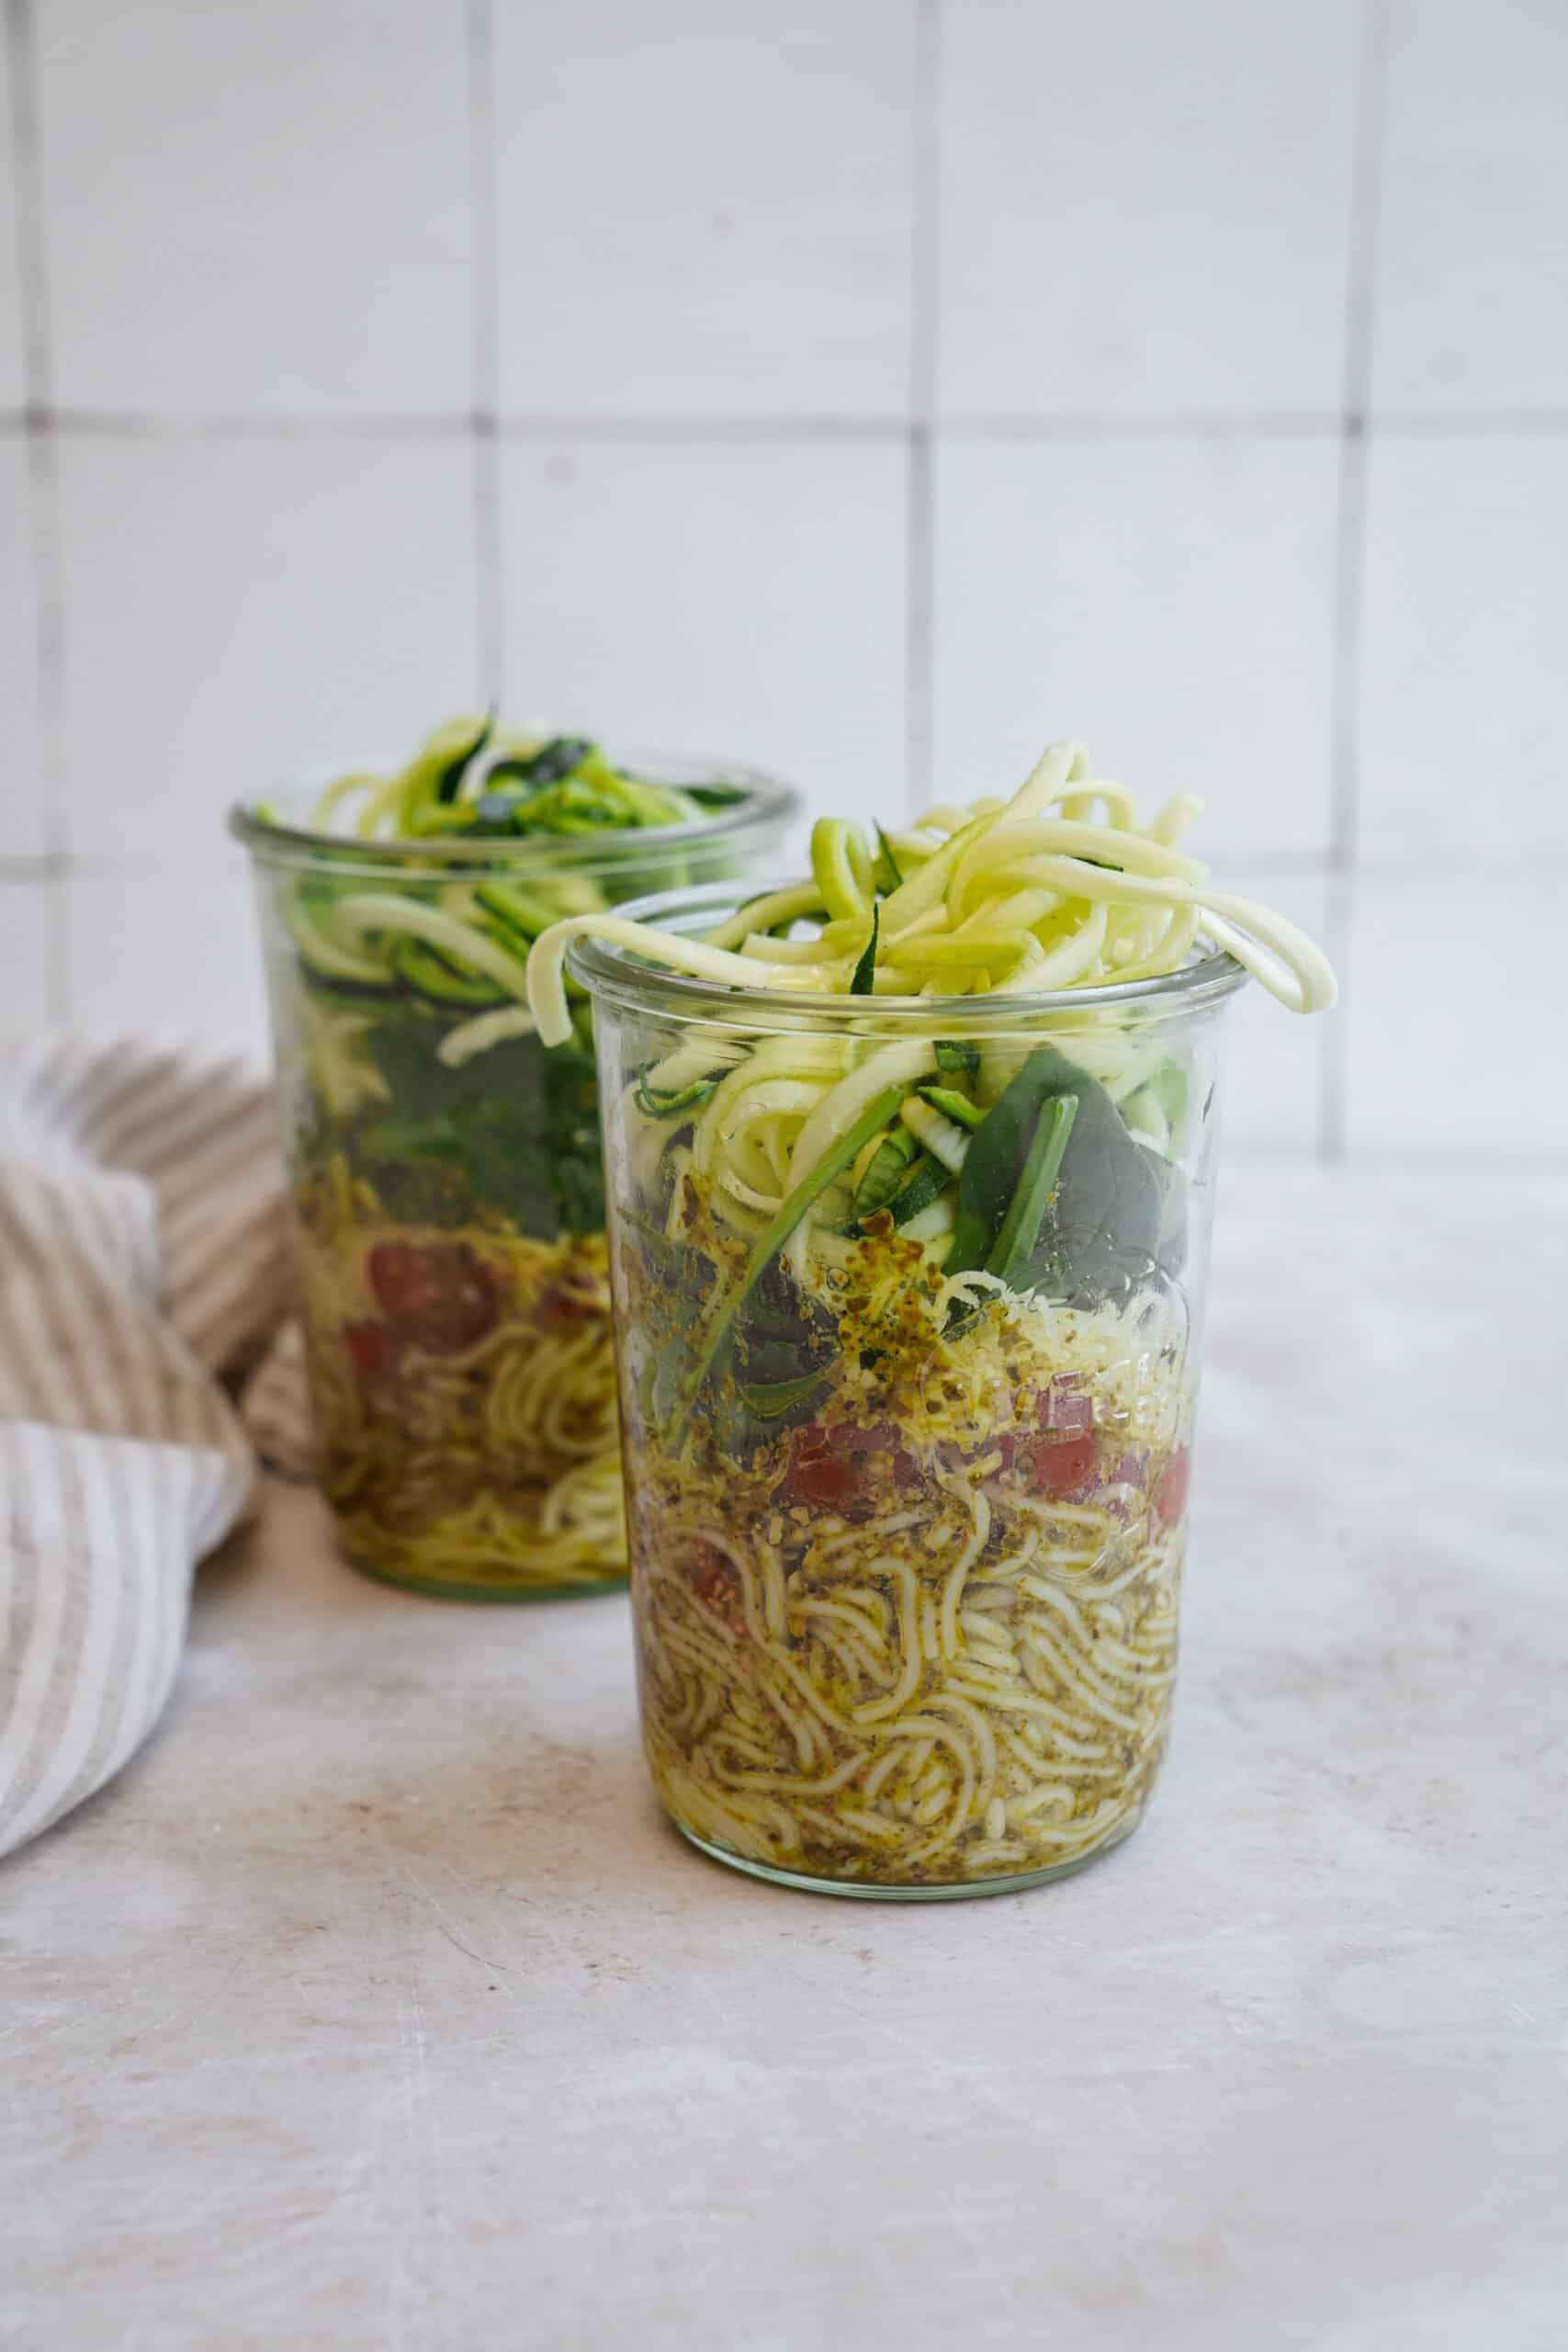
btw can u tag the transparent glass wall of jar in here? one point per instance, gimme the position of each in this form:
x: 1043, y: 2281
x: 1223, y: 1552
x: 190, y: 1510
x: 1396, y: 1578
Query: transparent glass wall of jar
x: 906, y: 1483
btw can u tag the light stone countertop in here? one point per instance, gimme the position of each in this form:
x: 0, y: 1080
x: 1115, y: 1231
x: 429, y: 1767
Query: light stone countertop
x: 375, y: 2007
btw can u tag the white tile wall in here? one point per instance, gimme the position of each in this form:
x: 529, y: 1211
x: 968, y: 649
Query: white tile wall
x: 22, y: 831
x: 1145, y: 207
x: 27, y: 917
x: 1464, y: 685
x: 763, y: 620
x: 1473, y: 288
x: 706, y: 208
x: 881, y: 389
x: 1277, y: 1061
x: 1455, y: 1020
x: 13, y: 373
x: 167, y: 945
x: 257, y: 208
x: 243, y: 611
x: 1168, y: 600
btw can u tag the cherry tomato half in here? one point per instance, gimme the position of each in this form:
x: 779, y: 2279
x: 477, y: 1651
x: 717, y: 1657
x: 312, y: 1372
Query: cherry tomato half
x: 566, y: 1305
x: 715, y: 1581
x: 826, y: 1470
x: 375, y: 1347
x: 1170, y: 1486
x: 438, y: 1295
x: 824, y: 1479
x: 1059, y: 1467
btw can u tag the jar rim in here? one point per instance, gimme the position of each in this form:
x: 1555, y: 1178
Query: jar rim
x: 769, y: 804
x: 620, y: 975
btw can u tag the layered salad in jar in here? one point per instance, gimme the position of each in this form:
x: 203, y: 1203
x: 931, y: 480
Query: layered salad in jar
x: 908, y: 1167
x: 447, y: 1194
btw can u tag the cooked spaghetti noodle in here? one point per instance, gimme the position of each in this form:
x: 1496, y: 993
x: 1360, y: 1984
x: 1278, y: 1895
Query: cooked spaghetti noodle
x: 954, y: 1674
x: 490, y: 1457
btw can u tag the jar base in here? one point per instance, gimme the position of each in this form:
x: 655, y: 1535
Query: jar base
x: 860, y: 1891
x: 500, y: 1593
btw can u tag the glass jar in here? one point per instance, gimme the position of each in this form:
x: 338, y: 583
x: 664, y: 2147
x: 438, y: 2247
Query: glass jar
x: 446, y: 1180
x: 906, y: 1483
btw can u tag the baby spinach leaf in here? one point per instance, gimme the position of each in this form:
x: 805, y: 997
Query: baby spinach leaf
x: 447, y: 780
x: 864, y: 974
x: 839, y: 1156
x: 884, y: 873
x: 1105, y: 1211
x: 515, y: 1129
x: 561, y: 756
x: 775, y: 1400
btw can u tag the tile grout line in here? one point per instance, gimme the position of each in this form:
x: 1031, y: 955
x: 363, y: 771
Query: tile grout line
x: 919, y: 551
x: 1236, y: 866
x: 1159, y: 425
x: 489, y: 611
x: 1350, y: 557
x: 43, y: 488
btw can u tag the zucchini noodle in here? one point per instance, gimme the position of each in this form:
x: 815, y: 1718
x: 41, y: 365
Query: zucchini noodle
x: 1111, y: 900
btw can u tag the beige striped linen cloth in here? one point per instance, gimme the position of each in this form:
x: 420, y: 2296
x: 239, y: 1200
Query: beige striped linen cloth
x: 143, y: 1363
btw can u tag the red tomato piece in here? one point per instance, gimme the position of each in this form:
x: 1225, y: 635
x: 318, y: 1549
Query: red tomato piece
x: 1064, y: 1410
x: 375, y: 1348
x: 562, y: 1306
x: 438, y: 1295
x: 1171, y: 1486
x: 824, y: 1469
x: 714, y: 1582
x: 824, y: 1480
x: 881, y: 1437
x: 1059, y: 1467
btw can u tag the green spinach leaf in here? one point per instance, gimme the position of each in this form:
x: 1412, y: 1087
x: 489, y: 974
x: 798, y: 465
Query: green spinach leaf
x: 1104, y: 1217
x: 864, y: 974
x: 884, y: 873
x: 446, y: 782
x: 839, y: 1155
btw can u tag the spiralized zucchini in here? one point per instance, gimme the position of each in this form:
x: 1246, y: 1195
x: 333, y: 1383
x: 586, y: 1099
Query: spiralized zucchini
x: 999, y: 898
x: 475, y: 780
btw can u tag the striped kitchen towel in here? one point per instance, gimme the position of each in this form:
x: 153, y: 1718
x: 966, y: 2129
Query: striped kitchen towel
x: 143, y: 1280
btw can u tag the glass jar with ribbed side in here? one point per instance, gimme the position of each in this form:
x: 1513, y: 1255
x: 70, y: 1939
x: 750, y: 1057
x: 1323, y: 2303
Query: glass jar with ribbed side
x: 449, y: 1206
x: 908, y: 1301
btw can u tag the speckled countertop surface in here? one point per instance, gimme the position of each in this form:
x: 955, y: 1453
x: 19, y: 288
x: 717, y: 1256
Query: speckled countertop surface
x: 374, y: 2006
